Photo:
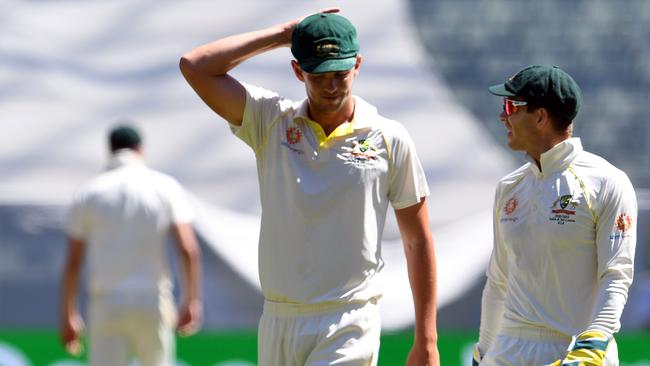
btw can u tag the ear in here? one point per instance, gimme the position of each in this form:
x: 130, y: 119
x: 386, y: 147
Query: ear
x: 543, y: 117
x: 357, y: 65
x: 297, y: 70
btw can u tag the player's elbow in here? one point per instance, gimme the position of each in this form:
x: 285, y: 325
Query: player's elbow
x: 188, y: 67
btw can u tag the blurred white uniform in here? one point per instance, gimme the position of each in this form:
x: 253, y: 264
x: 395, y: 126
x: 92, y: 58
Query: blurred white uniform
x: 124, y: 217
x: 563, y: 257
x: 324, y: 203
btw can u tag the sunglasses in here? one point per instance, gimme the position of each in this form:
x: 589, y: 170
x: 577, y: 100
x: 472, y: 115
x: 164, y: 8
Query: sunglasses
x: 511, y: 106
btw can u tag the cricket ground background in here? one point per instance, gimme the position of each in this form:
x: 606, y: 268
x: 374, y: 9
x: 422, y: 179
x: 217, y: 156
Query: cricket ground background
x: 71, y: 68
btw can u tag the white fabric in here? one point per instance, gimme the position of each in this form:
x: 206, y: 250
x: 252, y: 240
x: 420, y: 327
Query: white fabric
x: 564, y: 240
x: 314, y: 335
x: 324, y: 199
x: 536, y: 347
x: 124, y: 217
x: 120, y: 332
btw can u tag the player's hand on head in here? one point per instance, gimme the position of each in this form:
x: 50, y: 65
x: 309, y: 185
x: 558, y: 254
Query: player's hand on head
x: 292, y: 24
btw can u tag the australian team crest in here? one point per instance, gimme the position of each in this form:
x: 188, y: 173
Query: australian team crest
x: 362, y: 152
x: 567, y: 205
x: 563, y: 210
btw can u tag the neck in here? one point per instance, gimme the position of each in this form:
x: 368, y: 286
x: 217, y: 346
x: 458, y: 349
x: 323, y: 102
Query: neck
x: 330, y: 120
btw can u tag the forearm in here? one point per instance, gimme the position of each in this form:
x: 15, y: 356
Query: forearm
x: 422, y: 275
x: 219, y: 57
x: 190, y: 258
x: 491, y: 314
x: 69, y: 293
x: 192, y: 274
x: 70, y: 278
x: 610, y: 301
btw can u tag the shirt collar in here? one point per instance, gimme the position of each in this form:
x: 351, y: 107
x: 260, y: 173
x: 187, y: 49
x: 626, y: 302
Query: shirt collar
x: 364, y: 113
x: 558, y: 157
x: 124, y: 157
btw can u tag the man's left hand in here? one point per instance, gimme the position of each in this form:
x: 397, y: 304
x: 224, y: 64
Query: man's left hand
x: 588, y: 349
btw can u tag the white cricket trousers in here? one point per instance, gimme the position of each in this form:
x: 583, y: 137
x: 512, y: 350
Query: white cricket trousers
x: 535, y: 347
x: 319, y: 335
x: 119, y: 333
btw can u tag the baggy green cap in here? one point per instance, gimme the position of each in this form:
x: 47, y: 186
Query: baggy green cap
x: 124, y: 137
x: 325, y: 42
x: 548, y: 86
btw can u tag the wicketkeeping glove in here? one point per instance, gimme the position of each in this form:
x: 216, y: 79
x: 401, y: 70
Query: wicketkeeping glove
x: 476, y: 355
x: 587, y: 349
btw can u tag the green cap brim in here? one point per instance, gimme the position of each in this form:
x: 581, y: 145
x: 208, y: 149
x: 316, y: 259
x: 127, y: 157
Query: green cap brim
x: 500, y: 90
x: 331, y: 65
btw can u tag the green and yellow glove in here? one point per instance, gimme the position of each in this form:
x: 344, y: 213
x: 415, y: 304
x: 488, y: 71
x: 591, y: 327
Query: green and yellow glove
x: 587, y: 349
x: 476, y: 355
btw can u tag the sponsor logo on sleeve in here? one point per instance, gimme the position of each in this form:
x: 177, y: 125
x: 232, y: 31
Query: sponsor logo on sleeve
x: 622, y: 227
x: 509, y: 208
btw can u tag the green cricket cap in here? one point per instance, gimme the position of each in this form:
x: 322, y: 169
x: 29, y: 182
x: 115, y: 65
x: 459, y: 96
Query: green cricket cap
x: 547, y: 86
x: 325, y: 42
x: 124, y: 137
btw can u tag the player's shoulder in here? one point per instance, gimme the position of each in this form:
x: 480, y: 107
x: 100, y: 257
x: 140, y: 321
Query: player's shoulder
x: 599, y: 171
x: 160, y: 177
x: 516, y: 175
x: 588, y: 160
x: 260, y: 95
x: 367, y: 115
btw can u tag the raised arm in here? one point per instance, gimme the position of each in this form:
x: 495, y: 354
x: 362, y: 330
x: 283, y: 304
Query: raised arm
x: 413, y: 223
x: 206, y: 67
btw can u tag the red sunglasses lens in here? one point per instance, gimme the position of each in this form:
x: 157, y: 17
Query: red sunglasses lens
x: 508, y: 107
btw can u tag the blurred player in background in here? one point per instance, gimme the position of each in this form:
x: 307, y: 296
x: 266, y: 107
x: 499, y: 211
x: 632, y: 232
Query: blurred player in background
x: 120, y: 221
x: 328, y: 167
x: 564, y: 236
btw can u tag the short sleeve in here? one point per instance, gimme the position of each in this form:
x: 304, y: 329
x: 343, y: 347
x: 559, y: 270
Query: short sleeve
x: 407, y: 181
x: 262, y: 107
x: 78, y: 223
x: 180, y: 208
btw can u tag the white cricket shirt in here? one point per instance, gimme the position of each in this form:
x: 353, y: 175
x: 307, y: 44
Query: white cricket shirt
x: 564, y: 240
x: 324, y: 198
x: 124, y: 217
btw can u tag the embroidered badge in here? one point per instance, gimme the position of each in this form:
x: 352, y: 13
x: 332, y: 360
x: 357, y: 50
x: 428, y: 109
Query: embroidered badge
x: 566, y: 211
x: 327, y: 49
x: 564, y: 201
x: 362, y: 153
